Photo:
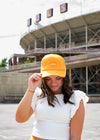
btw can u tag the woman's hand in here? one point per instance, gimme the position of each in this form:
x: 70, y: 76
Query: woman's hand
x: 34, y: 81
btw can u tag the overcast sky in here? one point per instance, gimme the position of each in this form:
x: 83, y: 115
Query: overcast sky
x: 14, y: 15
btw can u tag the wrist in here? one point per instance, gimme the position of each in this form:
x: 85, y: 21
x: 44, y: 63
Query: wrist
x: 31, y: 90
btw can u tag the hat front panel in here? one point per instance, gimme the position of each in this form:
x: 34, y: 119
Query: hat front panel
x: 52, y: 64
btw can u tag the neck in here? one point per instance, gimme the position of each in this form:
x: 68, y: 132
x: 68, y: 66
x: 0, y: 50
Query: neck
x: 57, y: 92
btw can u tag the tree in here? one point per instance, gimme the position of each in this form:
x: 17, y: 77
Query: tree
x: 27, y: 61
x: 3, y: 62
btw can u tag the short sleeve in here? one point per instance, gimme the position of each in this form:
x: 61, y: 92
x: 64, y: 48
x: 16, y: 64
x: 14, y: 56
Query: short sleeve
x: 37, y: 92
x: 76, y: 97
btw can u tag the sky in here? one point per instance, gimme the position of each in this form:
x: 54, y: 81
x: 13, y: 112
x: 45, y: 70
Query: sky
x: 14, y: 15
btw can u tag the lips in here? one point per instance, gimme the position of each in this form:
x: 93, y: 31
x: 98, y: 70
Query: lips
x: 53, y: 87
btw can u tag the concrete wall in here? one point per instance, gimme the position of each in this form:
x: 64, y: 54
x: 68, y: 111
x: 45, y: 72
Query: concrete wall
x: 13, y: 84
x: 13, y: 87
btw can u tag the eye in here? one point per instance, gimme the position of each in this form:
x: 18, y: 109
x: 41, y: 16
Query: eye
x: 58, y: 78
x: 47, y: 78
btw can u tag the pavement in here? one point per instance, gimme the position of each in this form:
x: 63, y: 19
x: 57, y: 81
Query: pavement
x: 11, y: 130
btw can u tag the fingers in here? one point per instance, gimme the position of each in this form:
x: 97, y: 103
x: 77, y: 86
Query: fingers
x: 34, y: 80
x: 36, y: 76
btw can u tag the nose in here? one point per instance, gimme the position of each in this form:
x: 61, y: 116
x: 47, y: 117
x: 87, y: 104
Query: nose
x: 53, y: 82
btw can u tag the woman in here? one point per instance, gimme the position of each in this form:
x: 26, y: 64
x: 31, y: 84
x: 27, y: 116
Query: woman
x: 58, y: 109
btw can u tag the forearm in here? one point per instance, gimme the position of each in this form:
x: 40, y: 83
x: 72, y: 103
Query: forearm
x: 24, y: 109
x: 75, y: 138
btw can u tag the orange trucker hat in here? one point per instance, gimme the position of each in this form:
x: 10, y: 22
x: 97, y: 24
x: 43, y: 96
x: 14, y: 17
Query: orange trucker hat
x: 53, y: 64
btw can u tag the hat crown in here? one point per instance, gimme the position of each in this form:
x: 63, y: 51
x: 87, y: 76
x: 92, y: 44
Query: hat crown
x: 53, y: 64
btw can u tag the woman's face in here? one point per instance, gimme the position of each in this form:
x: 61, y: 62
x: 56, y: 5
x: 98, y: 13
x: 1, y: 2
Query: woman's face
x: 54, y: 83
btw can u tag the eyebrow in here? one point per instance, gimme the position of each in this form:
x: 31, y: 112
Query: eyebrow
x: 47, y: 77
x: 50, y: 77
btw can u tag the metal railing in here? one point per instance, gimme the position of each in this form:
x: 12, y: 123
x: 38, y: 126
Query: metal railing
x: 80, y: 48
x: 21, y: 66
x: 37, y: 64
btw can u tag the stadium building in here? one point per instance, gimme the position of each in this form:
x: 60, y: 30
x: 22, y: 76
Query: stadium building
x: 77, y: 39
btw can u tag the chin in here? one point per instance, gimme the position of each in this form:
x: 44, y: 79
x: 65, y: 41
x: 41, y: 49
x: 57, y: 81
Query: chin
x: 54, y: 90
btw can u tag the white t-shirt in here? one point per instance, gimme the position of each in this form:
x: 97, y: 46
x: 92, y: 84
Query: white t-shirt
x: 54, y: 122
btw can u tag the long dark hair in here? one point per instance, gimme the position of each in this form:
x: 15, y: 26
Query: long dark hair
x: 67, y: 91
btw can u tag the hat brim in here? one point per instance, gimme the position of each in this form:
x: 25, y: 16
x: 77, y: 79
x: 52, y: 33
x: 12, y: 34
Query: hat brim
x: 49, y: 73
